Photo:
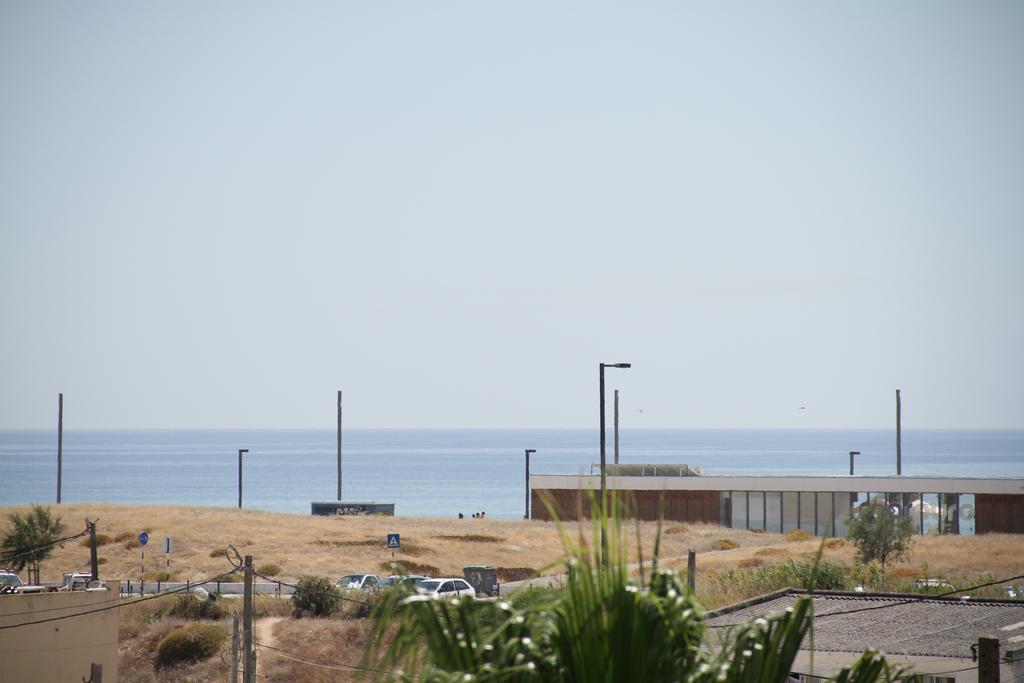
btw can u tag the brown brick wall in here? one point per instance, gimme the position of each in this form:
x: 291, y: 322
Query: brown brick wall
x: 681, y: 506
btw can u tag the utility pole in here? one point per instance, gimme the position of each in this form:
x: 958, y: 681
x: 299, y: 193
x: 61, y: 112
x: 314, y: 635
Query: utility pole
x: 616, y: 428
x: 234, y: 648
x: 691, y: 570
x: 248, y: 668
x: 94, y: 564
x: 899, y: 437
x: 60, y: 440
x: 988, y: 660
x: 339, y: 444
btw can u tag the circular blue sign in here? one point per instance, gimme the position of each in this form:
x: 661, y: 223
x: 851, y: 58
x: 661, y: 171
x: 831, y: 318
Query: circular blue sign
x: 143, y: 538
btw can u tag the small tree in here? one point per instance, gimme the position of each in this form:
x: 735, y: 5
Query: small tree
x: 879, y: 534
x: 30, y: 539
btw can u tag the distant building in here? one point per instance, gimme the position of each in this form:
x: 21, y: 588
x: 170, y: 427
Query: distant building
x: 821, y: 505
x: 935, y: 636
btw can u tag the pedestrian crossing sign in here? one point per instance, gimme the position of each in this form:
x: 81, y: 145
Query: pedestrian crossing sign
x: 394, y: 541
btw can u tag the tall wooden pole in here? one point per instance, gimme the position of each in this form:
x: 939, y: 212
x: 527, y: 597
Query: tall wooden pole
x: 988, y: 660
x: 247, y: 658
x: 60, y: 441
x: 339, y: 444
x: 899, y: 437
x: 616, y: 428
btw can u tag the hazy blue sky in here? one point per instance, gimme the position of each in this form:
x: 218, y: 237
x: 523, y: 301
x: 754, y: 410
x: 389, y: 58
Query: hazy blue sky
x: 218, y: 214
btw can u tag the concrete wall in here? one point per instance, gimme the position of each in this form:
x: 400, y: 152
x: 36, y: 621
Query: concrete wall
x: 58, y: 651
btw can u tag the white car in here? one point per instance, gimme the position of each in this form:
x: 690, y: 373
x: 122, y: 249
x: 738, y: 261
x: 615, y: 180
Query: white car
x: 445, y: 588
x: 367, y: 583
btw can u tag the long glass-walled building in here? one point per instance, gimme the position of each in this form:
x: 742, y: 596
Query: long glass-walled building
x: 819, y: 505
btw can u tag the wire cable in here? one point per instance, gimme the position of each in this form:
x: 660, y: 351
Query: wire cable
x: 117, y: 606
x: 313, y: 590
x: 337, y: 667
x: 41, y: 548
x: 896, y: 602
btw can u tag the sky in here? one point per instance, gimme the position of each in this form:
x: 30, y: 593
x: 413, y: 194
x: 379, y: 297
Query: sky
x: 219, y: 214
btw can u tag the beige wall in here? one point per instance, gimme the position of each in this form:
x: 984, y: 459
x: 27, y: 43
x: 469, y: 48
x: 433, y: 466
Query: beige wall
x: 58, y: 651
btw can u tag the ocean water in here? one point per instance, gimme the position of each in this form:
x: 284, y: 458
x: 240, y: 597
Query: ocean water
x: 441, y: 472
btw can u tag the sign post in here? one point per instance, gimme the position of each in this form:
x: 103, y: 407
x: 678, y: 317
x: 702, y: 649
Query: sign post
x: 168, y: 549
x: 394, y: 543
x: 143, y: 540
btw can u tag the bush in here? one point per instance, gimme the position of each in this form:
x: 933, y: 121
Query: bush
x: 124, y: 536
x: 677, y: 529
x: 190, y: 644
x: 161, y: 576
x: 798, y: 535
x: 269, y: 569
x: 217, y: 552
x: 188, y: 607
x: 724, y: 544
x: 514, y: 573
x: 764, y: 552
x: 131, y: 544
x: 316, y: 596
x: 879, y: 534
x: 750, y: 562
x: 101, y: 539
x: 835, y: 543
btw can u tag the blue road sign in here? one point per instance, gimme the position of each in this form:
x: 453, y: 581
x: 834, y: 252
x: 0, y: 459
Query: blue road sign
x: 394, y: 541
x: 143, y: 538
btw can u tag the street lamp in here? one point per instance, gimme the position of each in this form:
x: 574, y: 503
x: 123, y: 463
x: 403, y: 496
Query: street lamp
x: 601, y: 367
x: 528, y: 451
x: 852, y: 453
x: 240, y: 451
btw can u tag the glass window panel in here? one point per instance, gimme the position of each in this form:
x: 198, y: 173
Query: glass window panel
x: 949, y: 509
x: 930, y: 512
x: 724, y: 509
x: 843, y: 502
x: 773, y: 511
x: 789, y: 511
x: 824, y: 526
x: 755, y: 508
x: 739, y: 509
x: 807, y: 508
x: 912, y: 510
x: 967, y: 514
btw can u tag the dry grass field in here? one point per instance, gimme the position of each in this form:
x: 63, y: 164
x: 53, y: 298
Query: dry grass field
x: 728, y: 562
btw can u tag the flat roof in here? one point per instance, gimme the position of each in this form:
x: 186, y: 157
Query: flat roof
x: 838, y: 483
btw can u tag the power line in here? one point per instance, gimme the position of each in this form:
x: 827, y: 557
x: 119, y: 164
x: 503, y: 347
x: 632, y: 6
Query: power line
x: 313, y: 590
x: 897, y: 601
x: 336, y: 667
x: 41, y: 548
x: 117, y: 606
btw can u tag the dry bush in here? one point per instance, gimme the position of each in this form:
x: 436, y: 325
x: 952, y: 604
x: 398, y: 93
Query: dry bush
x: 409, y: 567
x: 798, y: 535
x: 515, y: 573
x: 332, y: 642
x: 269, y: 569
x: 724, y: 544
x: 469, y: 538
x: 765, y: 552
x: 905, y: 572
x: 160, y: 576
x: 191, y: 643
x: 758, y: 531
x: 124, y: 536
x: 101, y: 539
x: 677, y: 529
x: 131, y: 544
x: 835, y: 543
x: 750, y: 562
x: 218, y: 552
x: 268, y: 606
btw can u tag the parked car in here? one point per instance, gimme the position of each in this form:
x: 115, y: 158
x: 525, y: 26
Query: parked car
x: 367, y: 583
x: 80, y: 581
x: 445, y: 588
x: 396, y: 579
x: 9, y: 581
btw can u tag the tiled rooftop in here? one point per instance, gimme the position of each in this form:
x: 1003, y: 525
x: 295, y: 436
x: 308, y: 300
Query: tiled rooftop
x: 896, y: 624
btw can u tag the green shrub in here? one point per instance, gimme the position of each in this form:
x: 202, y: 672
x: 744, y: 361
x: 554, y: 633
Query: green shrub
x: 879, y: 534
x: 188, y: 607
x: 190, y: 644
x: 269, y: 569
x: 316, y: 596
